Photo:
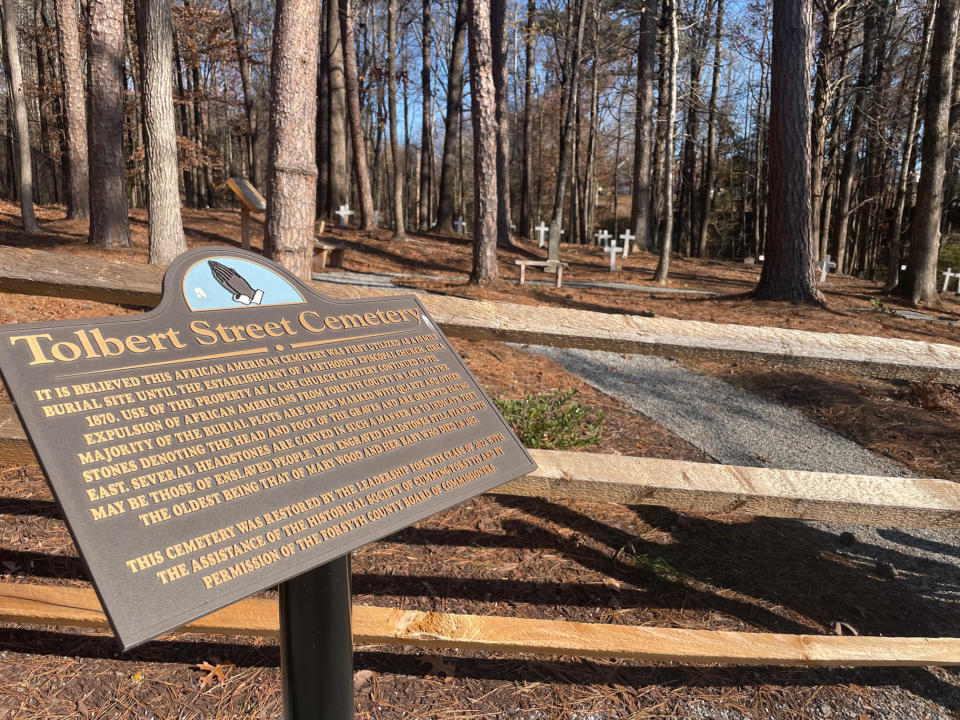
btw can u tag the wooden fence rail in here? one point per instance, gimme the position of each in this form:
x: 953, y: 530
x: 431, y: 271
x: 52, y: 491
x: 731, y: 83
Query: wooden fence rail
x: 38, y: 272
x: 78, y: 607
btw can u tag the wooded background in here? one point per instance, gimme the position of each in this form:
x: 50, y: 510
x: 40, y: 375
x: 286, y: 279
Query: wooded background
x: 583, y: 114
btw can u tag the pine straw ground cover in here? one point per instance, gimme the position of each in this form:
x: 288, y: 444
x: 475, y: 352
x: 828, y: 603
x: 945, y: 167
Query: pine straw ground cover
x: 530, y: 558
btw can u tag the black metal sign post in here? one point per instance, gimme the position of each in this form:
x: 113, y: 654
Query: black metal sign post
x: 241, y: 435
x: 316, y: 644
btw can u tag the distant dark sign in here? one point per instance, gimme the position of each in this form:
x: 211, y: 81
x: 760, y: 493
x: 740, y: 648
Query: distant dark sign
x: 245, y: 431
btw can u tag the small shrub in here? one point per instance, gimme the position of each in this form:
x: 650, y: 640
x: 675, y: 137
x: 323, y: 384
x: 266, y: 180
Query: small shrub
x: 877, y: 305
x: 553, y: 421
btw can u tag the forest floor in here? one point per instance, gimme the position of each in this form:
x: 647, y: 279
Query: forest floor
x: 498, y: 555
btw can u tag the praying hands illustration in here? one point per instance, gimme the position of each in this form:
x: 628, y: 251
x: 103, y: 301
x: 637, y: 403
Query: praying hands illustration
x: 234, y: 283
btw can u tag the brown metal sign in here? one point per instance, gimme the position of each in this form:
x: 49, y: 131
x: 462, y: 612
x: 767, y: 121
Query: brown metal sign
x: 245, y: 431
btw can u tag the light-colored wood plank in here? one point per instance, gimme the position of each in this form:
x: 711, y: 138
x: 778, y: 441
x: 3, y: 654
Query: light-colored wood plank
x: 78, y: 607
x: 695, y: 487
x: 711, y: 488
x: 45, y: 273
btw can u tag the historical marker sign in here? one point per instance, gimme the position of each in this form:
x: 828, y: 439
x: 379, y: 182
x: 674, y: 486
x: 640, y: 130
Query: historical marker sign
x: 245, y: 431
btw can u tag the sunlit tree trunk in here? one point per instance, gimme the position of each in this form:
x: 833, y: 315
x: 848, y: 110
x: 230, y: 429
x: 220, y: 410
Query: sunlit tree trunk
x: 710, y: 161
x: 643, y: 145
x: 21, y: 123
x: 788, y: 267
x: 526, y: 171
x: 426, y: 125
x: 109, y: 224
x: 399, y: 216
x: 75, y: 111
x: 155, y: 37
x: 919, y: 285
x: 338, y: 179
x: 291, y: 159
x: 451, y: 134
x: 670, y: 8
x: 368, y: 219
x: 484, y: 113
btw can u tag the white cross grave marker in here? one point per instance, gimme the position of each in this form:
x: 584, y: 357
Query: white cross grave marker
x: 460, y: 225
x: 613, y: 250
x: 946, y: 279
x: 603, y: 238
x: 627, y: 238
x: 542, y: 231
x: 826, y: 266
x: 344, y: 213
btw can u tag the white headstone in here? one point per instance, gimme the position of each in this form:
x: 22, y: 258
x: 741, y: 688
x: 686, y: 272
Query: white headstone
x: 460, y: 225
x: 603, y: 238
x: 946, y: 279
x: 826, y: 265
x: 760, y: 258
x: 903, y: 268
x: 542, y: 231
x: 376, y: 218
x: 344, y: 213
x: 613, y: 250
x: 627, y: 238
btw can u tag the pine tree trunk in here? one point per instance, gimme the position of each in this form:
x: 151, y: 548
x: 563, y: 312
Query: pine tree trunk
x: 526, y: 171
x: 920, y: 282
x: 687, y: 212
x: 589, y: 171
x: 109, y: 223
x: 572, y: 65
x: 710, y: 162
x: 788, y: 267
x: 448, y: 162
x: 498, y: 30
x: 338, y: 180
x: 484, y: 114
x: 368, y: 219
x: 323, y: 208
x: 155, y: 36
x: 426, y: 125
x: 291, y: 162
x: 821, y: 101
x: 75, y: 111
x: 399, y: 215
x: 641, y: 207
x: 249, y: 107
x: 670, y: 10
x: 21, y: 123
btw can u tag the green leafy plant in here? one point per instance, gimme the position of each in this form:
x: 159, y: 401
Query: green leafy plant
x: 554, y: 421
x: 877, y: 305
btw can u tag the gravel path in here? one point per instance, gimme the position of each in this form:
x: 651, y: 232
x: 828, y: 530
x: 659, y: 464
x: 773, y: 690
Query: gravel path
x: 731, y: 426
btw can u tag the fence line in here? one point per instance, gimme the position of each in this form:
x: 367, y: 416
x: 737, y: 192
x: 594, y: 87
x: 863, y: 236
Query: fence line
x: 78, y: 607
x: 40, y: 272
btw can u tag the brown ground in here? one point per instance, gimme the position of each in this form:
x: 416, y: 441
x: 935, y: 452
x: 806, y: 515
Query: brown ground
x: 533, y: 558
